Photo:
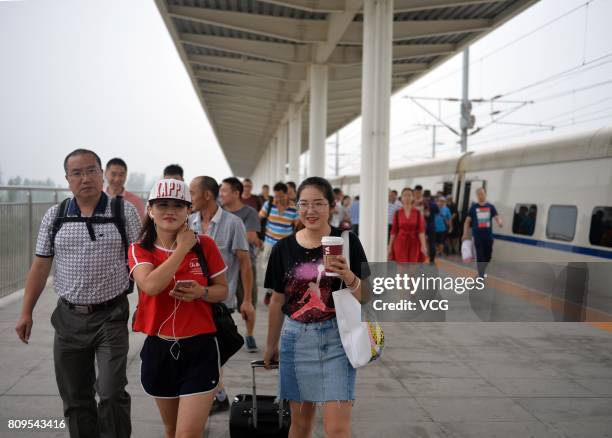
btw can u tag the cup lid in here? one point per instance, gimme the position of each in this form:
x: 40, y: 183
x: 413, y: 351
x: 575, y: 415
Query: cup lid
x: 332, y: 240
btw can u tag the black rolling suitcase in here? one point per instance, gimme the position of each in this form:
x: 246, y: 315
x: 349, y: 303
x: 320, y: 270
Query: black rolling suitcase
x: 253, y: 415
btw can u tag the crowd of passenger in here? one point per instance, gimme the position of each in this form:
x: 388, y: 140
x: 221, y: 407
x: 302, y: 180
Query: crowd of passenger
x: 190, y: 246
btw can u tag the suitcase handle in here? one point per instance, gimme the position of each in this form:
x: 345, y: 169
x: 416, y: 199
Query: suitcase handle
x: 281, y: 404
x: 261, y: 364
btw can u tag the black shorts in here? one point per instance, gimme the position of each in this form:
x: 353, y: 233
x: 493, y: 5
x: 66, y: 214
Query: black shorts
x: 441, y: 237
x: 196, y: 371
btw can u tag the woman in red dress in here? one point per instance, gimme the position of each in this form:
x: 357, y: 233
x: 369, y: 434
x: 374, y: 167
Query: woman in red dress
x: 407, y: 242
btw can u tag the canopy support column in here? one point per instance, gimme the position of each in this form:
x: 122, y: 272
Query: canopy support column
x: 295, y: 141
x: 375, y: 107
x: 318, y: 119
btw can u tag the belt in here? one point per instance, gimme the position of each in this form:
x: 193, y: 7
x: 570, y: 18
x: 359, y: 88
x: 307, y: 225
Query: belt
x: 91, y: 308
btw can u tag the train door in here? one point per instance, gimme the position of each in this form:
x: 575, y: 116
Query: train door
x: 468, y: 195
x: 447, y: 188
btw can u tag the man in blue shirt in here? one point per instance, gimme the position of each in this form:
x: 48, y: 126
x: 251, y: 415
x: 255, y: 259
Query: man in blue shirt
x: 480, y: 218
x: 355, y: 215
x: 442, y: 225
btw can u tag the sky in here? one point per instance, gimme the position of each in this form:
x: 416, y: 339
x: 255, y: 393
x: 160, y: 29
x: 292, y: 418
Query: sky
x: 105, y: 75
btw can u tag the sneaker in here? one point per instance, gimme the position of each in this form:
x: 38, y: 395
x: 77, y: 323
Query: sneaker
x: 219, y: 406
x: 250, y: 344
x: 267, y: 298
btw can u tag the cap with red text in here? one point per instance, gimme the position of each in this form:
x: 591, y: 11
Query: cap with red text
x: 170, y: 189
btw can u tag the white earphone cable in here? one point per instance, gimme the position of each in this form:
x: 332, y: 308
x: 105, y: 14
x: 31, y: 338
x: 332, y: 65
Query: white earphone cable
x: 177, y: 304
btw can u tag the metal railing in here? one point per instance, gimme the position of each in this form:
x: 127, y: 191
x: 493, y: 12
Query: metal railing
x: 21, y: 211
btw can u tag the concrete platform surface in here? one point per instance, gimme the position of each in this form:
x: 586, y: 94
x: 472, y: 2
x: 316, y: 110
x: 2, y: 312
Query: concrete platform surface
x: 434, y: 380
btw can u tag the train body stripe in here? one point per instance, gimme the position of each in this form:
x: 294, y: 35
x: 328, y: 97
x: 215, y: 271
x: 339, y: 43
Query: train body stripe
x: 556, y: 246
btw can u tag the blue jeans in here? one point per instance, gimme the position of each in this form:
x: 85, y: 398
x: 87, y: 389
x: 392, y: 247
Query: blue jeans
x: 313, y: 364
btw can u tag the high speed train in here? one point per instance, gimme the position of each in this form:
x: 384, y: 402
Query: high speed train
x: 555, y: 197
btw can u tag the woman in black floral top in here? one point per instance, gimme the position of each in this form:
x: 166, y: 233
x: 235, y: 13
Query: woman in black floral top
x: 313, y: 365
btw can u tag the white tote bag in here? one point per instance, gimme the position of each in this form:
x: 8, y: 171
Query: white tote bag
x: 363, y: 342
x: 467, y: 253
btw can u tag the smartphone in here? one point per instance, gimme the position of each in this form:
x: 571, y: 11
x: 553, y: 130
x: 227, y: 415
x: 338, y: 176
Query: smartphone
x: 183, y: 283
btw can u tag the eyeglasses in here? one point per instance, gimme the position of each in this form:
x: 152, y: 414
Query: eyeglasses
x: 90, y: 172
x: 316, y: 205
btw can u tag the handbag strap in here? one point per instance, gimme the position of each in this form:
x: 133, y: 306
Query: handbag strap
x: 346, y: 247
x: 201, y: 260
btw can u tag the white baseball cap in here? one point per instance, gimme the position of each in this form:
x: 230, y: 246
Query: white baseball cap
x: 170, y: 189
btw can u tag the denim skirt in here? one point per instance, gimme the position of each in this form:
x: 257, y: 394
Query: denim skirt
x: 313, y: 364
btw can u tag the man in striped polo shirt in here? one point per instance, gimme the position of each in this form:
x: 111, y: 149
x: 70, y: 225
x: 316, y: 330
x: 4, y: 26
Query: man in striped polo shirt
x: 280, y: 217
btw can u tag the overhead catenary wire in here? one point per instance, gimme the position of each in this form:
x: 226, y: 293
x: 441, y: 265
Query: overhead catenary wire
x: 519, y: 131
x: 411, y: 137
x: 544, y: 99
x: 573, y: 111
x: 510, y: 43
x: 552, y: 77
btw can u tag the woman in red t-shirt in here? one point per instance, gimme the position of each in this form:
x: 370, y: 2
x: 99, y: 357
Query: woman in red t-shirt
x: 407, y: 242
x: 180, y: 357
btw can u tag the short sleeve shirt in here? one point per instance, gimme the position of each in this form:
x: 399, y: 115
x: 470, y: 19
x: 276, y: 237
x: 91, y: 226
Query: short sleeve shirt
x: 88, y: 271
x: 441, y: 219
x: 298, y: 273
x: 355, y: 212
x: 338, y: 217
x: 192, y: 318
x: 391, y: 209
x: 253, y: 201
x: 135, y: 201
x: 278, y: 225
x: 228, y: 232
x: 482, y: 217
x: 251, y: 222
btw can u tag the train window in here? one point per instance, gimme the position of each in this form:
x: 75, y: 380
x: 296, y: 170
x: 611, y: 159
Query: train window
x: 601, y: 227
x: 524, y: 219
x: 561, y: 222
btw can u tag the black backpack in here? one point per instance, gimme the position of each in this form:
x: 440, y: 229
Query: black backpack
x: 264, y: 222
x: 117, y: 218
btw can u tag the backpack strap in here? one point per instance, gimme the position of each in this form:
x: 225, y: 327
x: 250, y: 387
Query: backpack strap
x: 118, y: 213
x: 117, y: 210
x: 346, y: 247
x: 59, y: 220
x: 264, y: 220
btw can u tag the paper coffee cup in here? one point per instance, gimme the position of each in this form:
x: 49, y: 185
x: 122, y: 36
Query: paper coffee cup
x: 332, y: 248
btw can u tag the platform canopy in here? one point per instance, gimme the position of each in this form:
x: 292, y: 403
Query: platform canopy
x: 250, y: 60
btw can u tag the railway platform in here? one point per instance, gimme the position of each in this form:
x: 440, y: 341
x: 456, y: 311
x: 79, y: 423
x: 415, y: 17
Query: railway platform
x: 448, y: 379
